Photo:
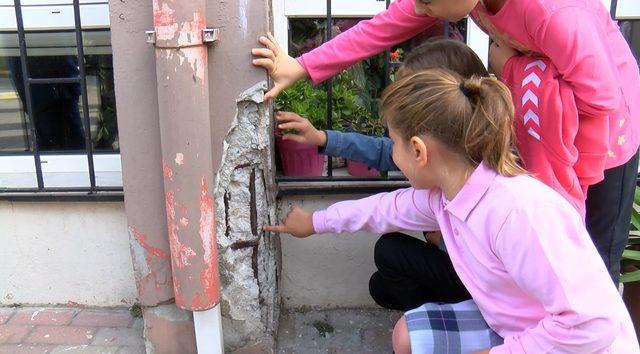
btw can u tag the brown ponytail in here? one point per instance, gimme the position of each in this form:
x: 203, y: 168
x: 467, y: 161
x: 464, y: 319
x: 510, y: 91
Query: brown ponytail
x: 472, y: 116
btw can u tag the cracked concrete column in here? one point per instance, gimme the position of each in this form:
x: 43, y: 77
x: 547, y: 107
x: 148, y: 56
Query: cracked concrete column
x: 244, y: 191
x: 168, y: 329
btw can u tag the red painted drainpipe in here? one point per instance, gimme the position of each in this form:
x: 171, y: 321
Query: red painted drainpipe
x: 181, y: 40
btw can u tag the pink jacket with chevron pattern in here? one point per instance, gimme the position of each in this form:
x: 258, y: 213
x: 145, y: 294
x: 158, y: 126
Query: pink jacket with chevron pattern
x: 546, y: 127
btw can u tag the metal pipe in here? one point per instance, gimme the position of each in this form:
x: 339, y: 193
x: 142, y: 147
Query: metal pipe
x: 180, y: 37
x: 208, y: 326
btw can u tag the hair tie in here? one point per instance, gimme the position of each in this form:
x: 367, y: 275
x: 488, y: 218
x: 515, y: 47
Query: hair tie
x: 465, y: 90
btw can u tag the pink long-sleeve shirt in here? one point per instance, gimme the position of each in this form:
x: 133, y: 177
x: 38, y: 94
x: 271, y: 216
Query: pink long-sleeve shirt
x: 521, y: 251
x: 578, y: 36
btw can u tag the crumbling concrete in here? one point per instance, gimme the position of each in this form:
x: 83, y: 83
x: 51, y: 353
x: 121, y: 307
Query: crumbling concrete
x: 245, y: 200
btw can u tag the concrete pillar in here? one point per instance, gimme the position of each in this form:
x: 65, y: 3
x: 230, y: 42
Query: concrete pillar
x: 244, y: 193
x: 139, y: 134
x: 241, y: 160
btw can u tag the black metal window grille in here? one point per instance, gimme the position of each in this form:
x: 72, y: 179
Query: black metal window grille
x: 32, y: 136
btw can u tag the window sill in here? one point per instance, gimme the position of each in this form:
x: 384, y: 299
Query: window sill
x: 289, y: 188
x: 110, y: 196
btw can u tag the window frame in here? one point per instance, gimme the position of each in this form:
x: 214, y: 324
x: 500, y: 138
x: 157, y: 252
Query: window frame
x: 625, y: 9
x: 35, y: 173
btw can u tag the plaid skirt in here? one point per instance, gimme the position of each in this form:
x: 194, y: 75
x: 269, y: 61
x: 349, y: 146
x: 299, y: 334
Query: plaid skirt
x: 449, y: 329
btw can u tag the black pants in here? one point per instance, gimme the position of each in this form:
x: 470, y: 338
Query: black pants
x: 608, y: 217
x: 412, y: 272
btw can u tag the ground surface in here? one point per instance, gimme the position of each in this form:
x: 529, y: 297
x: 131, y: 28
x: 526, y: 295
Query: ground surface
x: 69, y: 330
x: 31, y: 330
x: 336, y: 331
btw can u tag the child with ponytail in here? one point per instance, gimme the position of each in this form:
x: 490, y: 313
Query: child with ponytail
x: 520, y: 249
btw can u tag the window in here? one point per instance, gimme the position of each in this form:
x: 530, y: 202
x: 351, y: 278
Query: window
x: 301, y: 26
x: 628, y: 15
x: 58, y: 128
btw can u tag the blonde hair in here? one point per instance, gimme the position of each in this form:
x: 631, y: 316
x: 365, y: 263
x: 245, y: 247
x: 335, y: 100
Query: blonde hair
x: 472, y: 116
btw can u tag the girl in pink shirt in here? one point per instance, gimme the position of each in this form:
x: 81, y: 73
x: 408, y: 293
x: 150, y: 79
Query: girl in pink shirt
x: 520, y: 249
x: 580, y: 40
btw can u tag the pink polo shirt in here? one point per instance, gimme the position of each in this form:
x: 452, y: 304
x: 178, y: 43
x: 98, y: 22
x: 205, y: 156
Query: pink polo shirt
x: 522, y: 252
x: 578, y: 37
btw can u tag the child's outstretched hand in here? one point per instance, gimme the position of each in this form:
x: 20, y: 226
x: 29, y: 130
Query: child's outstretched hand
x: 283, y: 69
x: 499, y: 54
x: 298, y: 223
x: 307, y: 133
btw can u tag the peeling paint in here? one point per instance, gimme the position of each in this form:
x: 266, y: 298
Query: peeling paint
x: 184, y: 221
x: 209, y: 275
x: 180, y: 253
x: 165, y: 25
x: 197, y: 59
x: 167, y: 172
x: 191, y: 31
x: 151, y: 264
x: 179, y: 159
x: 151, y: 251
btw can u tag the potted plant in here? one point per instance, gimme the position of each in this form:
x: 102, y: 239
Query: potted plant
x: 299, y: 159
x: 631, y: 266
x: 310, y: 102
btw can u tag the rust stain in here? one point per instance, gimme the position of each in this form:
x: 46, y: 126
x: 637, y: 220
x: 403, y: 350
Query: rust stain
x: 167, y: 172
x: 183, y: 208
x: 180, y: 253
x: 209, y: 275
x: 244, y: 244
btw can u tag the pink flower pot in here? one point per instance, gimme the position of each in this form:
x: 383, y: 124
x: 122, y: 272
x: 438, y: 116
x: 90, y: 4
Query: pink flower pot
x: 299, y: 160
x: 361, y: 169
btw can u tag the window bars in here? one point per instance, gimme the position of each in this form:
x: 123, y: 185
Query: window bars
x: 29, y: 84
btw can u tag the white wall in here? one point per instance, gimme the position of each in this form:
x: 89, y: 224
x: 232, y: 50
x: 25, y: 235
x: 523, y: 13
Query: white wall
x: 61, y: 253
x: 325, y: 270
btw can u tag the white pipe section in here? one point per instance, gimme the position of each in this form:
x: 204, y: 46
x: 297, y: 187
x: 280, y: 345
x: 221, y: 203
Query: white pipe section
x: 208, y: 325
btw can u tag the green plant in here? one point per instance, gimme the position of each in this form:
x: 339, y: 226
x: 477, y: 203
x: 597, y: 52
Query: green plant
x: 631, y: 255
x: 305, y: 100
x: 310, y: 101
